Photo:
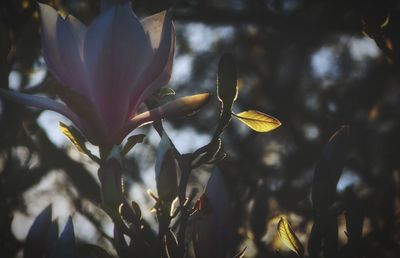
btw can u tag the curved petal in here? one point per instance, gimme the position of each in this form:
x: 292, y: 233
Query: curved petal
x: 78, y: 29
x: 159, y: 70
x: 49, y: 18
x: 43, y: 103
x: 154, y: 25
x: 60, y: 45
x: 116, y: 51
x: 70, y: 33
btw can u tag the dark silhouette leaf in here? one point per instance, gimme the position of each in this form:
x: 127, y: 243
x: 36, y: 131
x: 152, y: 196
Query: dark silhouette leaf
x: 35, y: 243
x: 172, y: 244
x: 166, y: 171
x: 315, y: 241
x: 328, y: 169
x: 92, y: 251
x: 227, y: 81
x: 131, y: 142
x: 66, y: 247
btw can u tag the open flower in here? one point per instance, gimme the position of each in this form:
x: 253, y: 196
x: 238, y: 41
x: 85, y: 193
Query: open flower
x: 106, y: 70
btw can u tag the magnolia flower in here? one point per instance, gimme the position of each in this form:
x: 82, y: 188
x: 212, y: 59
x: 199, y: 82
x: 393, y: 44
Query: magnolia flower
x: 107, y: 69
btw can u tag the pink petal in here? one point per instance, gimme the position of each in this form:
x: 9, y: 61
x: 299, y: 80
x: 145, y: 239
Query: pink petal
x: 43, y: 103
x: 116, y: 51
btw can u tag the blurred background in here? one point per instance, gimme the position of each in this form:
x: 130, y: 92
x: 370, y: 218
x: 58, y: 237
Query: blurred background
x: 315, y: 65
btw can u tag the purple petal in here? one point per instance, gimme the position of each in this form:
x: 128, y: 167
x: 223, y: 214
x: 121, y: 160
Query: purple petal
x: 51, y: 55
x: 70, y: 35
x: 78, y: 29
x: 116, y: 51
x: 61, y: 41
x: 43, y: 103
x: 159, y: 70
x: 106, y: 4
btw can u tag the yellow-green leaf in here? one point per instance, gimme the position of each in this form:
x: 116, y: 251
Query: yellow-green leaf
x: 77, y: 140
x: 258, y: 121
x: 73, y: 135
x: 289, y: 238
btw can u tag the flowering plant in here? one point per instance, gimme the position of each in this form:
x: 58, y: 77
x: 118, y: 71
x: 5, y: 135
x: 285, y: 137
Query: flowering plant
x: 106, y: 71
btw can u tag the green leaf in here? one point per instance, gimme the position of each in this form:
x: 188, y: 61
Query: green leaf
x: 227, y: 81
x: 132, y: 141
x: 77, y: 140
x: 165, y: 91
x: 258, y: 121
x: 289, y: 238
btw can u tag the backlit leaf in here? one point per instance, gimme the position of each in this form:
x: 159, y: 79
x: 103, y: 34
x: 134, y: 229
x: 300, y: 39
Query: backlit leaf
x: 132, y: 141
x: 258, y: 121
x: 289, y: 238
x: 73, y: 136
x: 241, y: 253
x: 77, y: 140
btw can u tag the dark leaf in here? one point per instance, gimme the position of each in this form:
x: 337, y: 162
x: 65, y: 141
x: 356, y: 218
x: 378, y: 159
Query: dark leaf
x: 165, y: 91
x: 36, y: 240
x: 52, y: 237
x: 131, y: 142
x: 172, y: 244
x: 354, y: 218
x: 241, y: 253
x: 166, y: 171
x: 111, y: 184
x: 227, y: 81
x: 328, y: 169
x: 330, y: 244
x: 315, y: 241
x: 66, y: 247
x: 92, y: 251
